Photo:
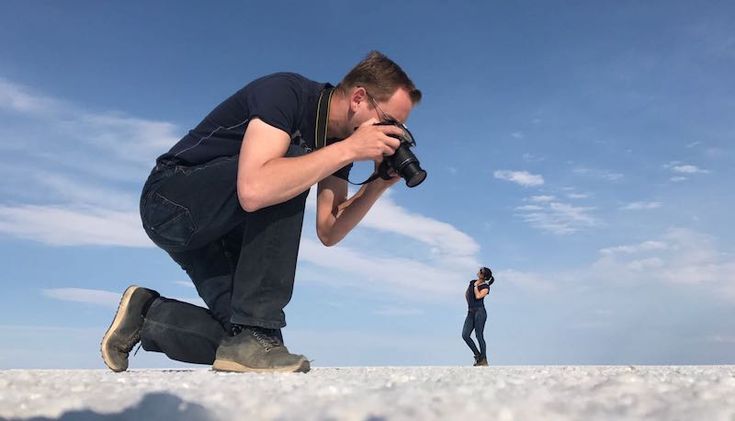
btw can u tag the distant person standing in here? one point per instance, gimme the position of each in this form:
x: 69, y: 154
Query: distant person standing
x: 476, y: 314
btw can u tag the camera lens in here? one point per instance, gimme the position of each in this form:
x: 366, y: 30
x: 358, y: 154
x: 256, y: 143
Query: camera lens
x: 406, y: 164
x: 414, y: 175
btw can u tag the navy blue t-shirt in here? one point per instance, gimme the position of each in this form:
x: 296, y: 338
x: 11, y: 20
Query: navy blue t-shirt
x: 473, y: 302
x: 287, y: 101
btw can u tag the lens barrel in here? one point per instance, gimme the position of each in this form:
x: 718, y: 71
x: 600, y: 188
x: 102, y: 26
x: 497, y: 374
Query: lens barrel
x: 405, y: 163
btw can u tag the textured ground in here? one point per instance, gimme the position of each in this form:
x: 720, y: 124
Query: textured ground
x: 376, y: 393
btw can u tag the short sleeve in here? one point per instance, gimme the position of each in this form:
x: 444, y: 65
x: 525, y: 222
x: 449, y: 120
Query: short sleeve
x: 483, y: 286
x: 275, y: 100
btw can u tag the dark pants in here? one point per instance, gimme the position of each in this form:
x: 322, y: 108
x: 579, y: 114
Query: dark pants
x: 475, y: 320
x: 241, y: 263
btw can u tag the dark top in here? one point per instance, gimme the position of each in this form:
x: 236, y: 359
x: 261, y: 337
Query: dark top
x: 473, y: 302
x: 287, y: 101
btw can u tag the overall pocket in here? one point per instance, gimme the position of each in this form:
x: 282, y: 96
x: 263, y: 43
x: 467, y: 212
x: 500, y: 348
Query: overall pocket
x: 167, y: 223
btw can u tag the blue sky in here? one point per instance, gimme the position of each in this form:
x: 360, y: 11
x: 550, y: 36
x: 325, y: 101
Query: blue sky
x: 582, y: 150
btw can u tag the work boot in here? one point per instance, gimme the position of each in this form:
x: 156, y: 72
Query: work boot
x: 477, y: 361
x: 256, y: 349
x: 124, y: 332
x: 482, y: 362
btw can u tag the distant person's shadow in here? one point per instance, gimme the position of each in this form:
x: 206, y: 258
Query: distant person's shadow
x: 153, y: 407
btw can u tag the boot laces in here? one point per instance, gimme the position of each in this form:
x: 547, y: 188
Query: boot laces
x: 265, y: 339
x: 127, y: 347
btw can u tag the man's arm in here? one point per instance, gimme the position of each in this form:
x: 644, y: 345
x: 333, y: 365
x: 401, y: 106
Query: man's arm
x: 265, y: 177
x: 336, y: 216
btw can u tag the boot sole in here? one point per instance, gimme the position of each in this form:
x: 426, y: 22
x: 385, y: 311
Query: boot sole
x: 232, y: 366
x: 121, y: 308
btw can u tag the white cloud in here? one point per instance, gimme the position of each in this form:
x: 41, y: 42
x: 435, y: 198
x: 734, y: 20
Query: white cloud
x: 641, y: 206
x: 18, y: 98
x: 112, y: 138
x: 559, y: 218
x: 597, y: 173
x: 185, y: 284
x: 522, y: 178
x: 636, y: 248
x: 451, y: 243
x: 527, y: 280
x: 101, y: 297
x: 436, y: 250
x: 82, y: 295
x: 677, y: 179
x: 680, y: 257
x: 61, y: 226
x: 532, y: 158
x: 682, y: 168
x: 542, y: 198
x: 364, y: 270
x: 577, y: 195
x: 646, y: 264
x: 517, y: 135
x: 723, y: 339
x: 689, y: 169
x: 73, y: 178
x: 529, y: 208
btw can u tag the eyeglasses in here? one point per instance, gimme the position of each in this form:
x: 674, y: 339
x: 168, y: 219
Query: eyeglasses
x: 386, y: 118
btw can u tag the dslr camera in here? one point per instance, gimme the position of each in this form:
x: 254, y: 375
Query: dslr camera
x: 403, y: 161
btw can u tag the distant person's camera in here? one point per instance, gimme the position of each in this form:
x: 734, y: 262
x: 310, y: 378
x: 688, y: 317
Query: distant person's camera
x: 403, y: 161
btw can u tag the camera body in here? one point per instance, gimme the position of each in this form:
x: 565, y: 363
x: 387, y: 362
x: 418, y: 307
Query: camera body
x: 403, y: 161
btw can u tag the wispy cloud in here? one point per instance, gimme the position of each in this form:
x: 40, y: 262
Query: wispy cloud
x: 528, y: 157
x: 635, y: 248
x: 598, y: 173
x: 641, y: 206
x: 62, y: 226
x: 18, y: 98
x: 681, y: 256
x: 76, y: 200
x: 542, y: 198
x: 578, y: 195
x: 365, y: 270
x: 82, y: 295
x: 683, y: 168
x: 529, y: 208
x: 443, y: 239
x: 689, y: 169
x: 523, y: 178
x: 722, y: 339
x: 527, y: 280
x: 115, y: 136
x: 440, y: 252
x: 185, y: 284
x: 557, y: 217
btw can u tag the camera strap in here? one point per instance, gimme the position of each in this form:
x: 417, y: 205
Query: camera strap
x: 320, y: 129
x: 322, y: 117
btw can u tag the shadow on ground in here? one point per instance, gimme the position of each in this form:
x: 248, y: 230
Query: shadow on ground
x: 153, y: 407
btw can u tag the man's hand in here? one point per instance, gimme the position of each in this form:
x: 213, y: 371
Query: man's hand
x: 371, y: 142
x: 380, y: 182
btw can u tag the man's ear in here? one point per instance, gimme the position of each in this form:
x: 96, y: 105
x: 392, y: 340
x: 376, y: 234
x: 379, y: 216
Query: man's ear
x: 359, y: 94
